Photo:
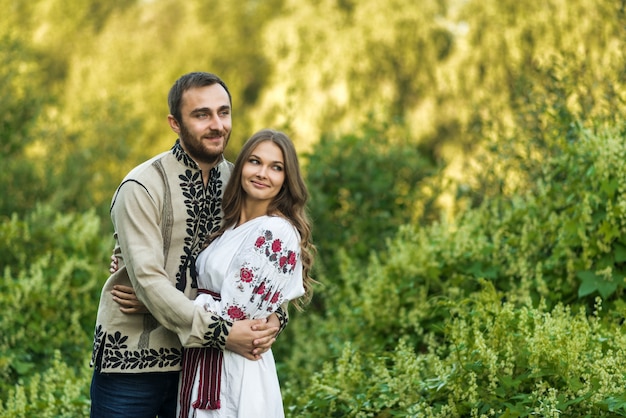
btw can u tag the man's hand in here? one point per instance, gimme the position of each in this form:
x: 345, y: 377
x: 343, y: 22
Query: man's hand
x: 126, y: 298
x: 249, y: 338
x: 252, y: 337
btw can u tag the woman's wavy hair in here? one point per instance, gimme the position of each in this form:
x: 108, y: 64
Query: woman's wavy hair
x: 290, y: 202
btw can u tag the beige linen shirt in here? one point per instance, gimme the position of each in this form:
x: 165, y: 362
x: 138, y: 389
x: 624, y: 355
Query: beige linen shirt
x: 161, y: 213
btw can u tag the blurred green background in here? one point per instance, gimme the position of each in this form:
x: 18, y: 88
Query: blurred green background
x: 466, y: 161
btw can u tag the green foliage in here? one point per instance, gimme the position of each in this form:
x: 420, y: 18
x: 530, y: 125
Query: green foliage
x: 547, y: 119
x: 368, y: 58
x: 52, y: 269
x: 510, y: 55
x: 58, y: 392
x: 490, y: 311
x: 20, y: 106
x: 568, y: 226
x: 497, y: 359
x: 22, y: 100
x: 89, y: 162
x: 550, y: 248
x: 363, y: 186
x: 456, y: 72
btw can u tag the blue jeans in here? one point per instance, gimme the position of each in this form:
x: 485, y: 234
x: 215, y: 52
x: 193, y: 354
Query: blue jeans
x: 136, y: 395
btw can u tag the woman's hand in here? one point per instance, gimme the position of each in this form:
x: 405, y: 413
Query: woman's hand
x: 264, y: 343
x: 252, y: 337
x: 114, y: 266
x: 126, y: 298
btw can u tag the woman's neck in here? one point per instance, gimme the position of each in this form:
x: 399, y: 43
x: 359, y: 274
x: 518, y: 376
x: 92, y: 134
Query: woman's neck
x: 251, y: 211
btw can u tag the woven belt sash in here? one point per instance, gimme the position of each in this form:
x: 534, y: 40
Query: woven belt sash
x: 209, y: 361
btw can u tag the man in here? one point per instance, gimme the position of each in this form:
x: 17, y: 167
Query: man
x: 162, y: 212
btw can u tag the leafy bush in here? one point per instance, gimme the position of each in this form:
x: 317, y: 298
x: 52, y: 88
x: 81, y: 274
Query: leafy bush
x: 363, y: 186
x: 23, y: 78
x: 53, y: 267
x: 496, y: 359
x: 547, y: 252
x: 58, y: 392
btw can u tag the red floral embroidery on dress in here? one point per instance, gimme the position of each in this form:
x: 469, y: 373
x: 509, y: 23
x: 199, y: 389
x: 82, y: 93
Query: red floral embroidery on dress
x: 236, y: 313
x: 292, y: 258
x: 283, y: 258
x: 251, y: 277
x: 276, y: 297
x: 246, y: 275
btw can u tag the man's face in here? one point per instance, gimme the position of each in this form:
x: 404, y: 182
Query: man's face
x: 206, y: 123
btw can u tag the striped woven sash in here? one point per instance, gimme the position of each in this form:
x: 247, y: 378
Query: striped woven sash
x: 209, y: 362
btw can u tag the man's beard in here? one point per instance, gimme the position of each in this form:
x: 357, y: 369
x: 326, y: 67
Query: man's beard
x: 193, y: 146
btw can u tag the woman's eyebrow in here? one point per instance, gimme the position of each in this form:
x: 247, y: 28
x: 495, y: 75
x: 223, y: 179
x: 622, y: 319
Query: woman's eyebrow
x: 259, y: 158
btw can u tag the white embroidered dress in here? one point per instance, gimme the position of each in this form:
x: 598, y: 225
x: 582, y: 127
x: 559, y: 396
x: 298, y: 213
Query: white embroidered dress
x: 255, y: 268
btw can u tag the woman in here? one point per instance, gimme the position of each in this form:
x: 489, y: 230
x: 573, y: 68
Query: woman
x: 259, y: 259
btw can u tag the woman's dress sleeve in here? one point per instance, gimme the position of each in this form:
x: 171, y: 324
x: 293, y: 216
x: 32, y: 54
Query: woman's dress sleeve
x: 265, y: 272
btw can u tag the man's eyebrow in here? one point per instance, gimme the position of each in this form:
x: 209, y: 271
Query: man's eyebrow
x: 209, y: 110
x: 200, y: 110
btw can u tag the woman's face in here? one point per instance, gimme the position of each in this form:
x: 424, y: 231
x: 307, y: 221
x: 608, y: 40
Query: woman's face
x: 263, y: 174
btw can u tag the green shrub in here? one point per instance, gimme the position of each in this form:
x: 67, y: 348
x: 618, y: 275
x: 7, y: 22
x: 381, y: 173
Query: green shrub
x: 24, y: 78
x: 363, y: 186
x: 53, y: 267
x: 555, y: 247
x: 62, y: 391
x: 496, y: 359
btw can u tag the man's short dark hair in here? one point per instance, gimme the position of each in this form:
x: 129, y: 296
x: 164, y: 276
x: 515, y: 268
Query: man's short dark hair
x: 190, y: 81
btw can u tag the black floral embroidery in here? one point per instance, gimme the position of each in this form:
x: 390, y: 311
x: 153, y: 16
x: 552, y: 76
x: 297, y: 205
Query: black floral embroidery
x: 204, y: 208
x: 213, y: 206
x: 182, y: 156
x: 116, y: 354
x: 215, y: 337
x: 116, y: 341
x: 283, y: 318
x: 98, y: 336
